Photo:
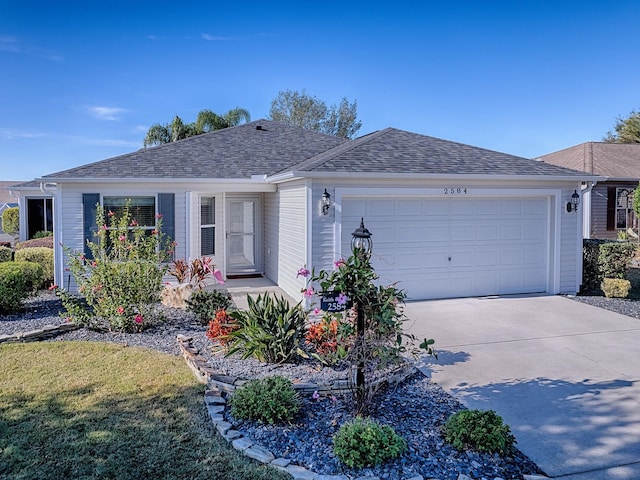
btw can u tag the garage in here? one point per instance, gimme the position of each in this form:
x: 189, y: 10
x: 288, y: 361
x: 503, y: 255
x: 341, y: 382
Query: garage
x: 456, y: 246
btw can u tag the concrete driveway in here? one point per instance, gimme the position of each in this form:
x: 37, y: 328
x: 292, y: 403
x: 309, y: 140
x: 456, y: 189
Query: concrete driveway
x: 564, y: 375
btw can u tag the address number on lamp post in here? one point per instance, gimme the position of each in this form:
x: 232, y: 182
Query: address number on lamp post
x: 329, y: 302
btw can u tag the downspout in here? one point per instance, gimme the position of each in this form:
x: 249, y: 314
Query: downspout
x: 49, y: 188
x: 585, y: 193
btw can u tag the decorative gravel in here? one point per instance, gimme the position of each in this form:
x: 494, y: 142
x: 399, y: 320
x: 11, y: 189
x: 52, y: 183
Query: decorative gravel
x: 624, y: 306
x: 416, y: 409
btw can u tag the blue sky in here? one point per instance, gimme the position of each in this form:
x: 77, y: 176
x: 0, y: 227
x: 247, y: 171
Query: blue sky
x: 83, y: 81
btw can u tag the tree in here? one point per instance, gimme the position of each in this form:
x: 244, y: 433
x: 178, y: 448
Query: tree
x: 207, y: 121
x: 302, y: 110
x: 626, y: 130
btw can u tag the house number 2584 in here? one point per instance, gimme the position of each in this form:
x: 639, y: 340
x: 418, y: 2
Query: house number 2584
x: 455, y: 191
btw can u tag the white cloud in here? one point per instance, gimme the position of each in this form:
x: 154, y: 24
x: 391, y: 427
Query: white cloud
x: 9, y: 134
x: 11, y: 44
x: 105, y: 142
x: 106, y: 113
x: 213, y: 38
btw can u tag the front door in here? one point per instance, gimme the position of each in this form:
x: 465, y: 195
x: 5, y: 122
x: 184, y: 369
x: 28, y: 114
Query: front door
x: 242, y: 238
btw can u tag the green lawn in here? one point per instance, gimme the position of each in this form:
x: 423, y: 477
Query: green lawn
x: 85, y: 410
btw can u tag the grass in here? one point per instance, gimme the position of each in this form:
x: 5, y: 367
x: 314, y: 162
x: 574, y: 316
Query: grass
x: 87, y: 410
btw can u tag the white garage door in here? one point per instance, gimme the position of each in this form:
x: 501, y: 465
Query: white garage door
x: 455, y: 247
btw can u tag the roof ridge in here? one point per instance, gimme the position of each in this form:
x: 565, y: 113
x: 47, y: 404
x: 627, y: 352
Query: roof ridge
x: 337, y: 150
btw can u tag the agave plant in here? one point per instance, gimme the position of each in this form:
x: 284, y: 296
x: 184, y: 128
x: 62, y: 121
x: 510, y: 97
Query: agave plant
x: 271, y: 330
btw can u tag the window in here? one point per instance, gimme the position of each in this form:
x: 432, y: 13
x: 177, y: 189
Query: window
x: 624, y: 209
x: 39, y: 216
x: 207, y: 226
x: 141, y: 209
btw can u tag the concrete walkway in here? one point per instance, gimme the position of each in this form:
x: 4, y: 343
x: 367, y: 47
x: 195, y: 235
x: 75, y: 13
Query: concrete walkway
x: 564, y: 375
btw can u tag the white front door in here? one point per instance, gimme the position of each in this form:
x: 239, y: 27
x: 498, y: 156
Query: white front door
x: 242, y: 237
x: 440, y: 248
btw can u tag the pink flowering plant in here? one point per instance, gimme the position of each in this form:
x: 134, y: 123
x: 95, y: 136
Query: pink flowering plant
x: 121, y: 283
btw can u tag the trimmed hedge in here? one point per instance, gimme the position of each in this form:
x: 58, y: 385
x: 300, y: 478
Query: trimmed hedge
x: 36, y: 242
x: 42, y: 256
x: 604, y: 258
x: 6, y: 254
x: 17, y: 280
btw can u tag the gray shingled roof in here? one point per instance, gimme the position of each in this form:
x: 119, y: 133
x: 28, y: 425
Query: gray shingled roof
x: 246, y: 150
x: 616, y: 160
x: 397, y: 151
x: 237, y: 152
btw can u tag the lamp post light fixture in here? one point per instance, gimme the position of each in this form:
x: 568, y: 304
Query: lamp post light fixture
x: 325, y: 203
x: 572, y: 206
x: 361, y: 239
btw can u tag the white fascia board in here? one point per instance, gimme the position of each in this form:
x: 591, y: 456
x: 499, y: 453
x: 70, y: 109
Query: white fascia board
x: 417, y: 176
x: 257, y: 184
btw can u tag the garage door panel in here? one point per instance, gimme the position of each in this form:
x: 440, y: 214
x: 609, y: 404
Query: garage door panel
x: 440, y: 248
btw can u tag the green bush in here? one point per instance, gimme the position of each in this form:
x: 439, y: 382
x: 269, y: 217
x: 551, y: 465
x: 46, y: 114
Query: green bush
x: 615, y: 287
x: 271, y: 330
x: 42, y: 256
x: 614, y: 259
x: 11, y: 220
x: 14, y: 287
x: 268, y: 400
x: 122, y: 282
x: 364, y: 442
x: 36, y: 242
x: 478, y: 430
x: 32, y: 273
x: 6, y: 254
x: 43, y: 234
x: 205, y: 304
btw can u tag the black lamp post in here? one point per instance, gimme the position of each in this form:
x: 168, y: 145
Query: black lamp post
x: 361, y: 245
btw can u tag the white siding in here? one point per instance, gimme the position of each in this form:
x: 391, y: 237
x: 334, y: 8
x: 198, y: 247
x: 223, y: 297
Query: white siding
x: 271, y: 235
x: 570, y: 255
x: 291, y: 252
x: 323, y: 230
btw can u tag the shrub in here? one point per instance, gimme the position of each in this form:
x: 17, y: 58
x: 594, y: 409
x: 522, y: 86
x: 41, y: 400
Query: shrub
x: 267, y: 400
x: 31, y: 271
x: 271, y: 330
x: 205, y: 304
x: 36, y: 242
x: 614, y: 259
x: 615, y: 287
x: 14, y: 287
x: 122, y: 282
x: 364, y: 442
x: 6, y: 254
x: 331, y: 338
x: 43, y: 234
x: 11, y: 220
x: 40, y: 255
x: 221, y: 327
x: 478, y: 430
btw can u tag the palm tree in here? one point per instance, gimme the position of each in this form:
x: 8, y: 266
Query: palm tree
x: 207, y: 121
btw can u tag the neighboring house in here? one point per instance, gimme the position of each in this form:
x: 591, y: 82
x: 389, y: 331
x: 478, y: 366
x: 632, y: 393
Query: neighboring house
x: 608, y: 208
x: 448, y: 220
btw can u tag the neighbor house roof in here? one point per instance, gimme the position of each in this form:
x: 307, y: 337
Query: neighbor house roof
x: 614, y: 160
x: 261, y: 147
x: 393, y: 151
x: 5, y: 196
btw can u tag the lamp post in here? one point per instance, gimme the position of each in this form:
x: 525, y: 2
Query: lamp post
x: 361, y: 245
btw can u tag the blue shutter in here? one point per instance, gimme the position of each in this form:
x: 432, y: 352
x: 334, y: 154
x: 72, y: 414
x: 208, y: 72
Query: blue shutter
x: 166, y: 208
x: 89, y: 202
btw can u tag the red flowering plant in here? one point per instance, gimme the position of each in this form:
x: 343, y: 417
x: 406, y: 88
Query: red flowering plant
x: 331, y: 337
x: 221, y: 327
x: 122, y: 281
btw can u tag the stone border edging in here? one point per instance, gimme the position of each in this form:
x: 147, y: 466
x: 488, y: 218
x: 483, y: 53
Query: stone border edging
x: 37, y: 335
x: 216, y: 404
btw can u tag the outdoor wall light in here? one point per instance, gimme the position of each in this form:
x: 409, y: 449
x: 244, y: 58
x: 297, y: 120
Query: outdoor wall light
x: 361, y: 240
x: 325, y: 203
x: 572, y: 206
